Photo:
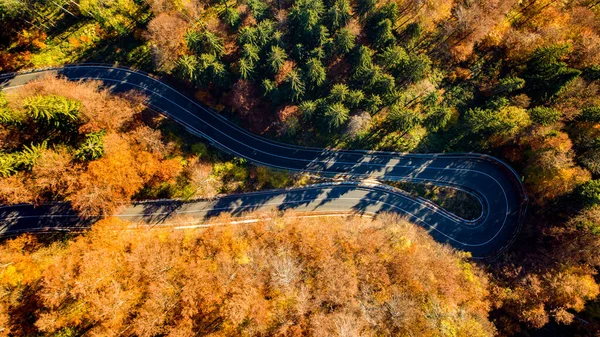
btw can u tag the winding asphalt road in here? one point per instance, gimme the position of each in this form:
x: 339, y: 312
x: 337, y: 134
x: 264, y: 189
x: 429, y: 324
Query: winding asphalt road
x: 491, y: 181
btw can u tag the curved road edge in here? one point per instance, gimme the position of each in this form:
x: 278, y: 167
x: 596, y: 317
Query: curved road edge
x: 440, y: 169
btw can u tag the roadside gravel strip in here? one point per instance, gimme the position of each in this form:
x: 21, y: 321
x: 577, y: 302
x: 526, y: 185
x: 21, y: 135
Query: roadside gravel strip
x: 491, y: 181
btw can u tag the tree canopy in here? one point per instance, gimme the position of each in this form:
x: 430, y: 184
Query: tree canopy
x: 283, y: 276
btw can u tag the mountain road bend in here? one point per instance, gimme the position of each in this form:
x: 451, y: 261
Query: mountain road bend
x: 490, y: 180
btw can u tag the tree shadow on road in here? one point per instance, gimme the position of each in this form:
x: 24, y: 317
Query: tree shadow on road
x: 18, y: 219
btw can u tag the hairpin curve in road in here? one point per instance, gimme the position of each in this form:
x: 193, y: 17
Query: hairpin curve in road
x: 496, y: 185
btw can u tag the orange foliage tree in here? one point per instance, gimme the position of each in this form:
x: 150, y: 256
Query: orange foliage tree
x: 551, y: 171
x: 132, y: 155
x: 282, y: 276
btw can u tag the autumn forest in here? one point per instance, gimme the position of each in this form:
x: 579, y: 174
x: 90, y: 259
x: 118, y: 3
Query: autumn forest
x: 518, y: 80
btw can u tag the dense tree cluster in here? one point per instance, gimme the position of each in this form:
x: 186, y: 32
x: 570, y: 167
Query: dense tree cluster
x: 71, y: 141
x: 312, y: 54
x: 281, y: 277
